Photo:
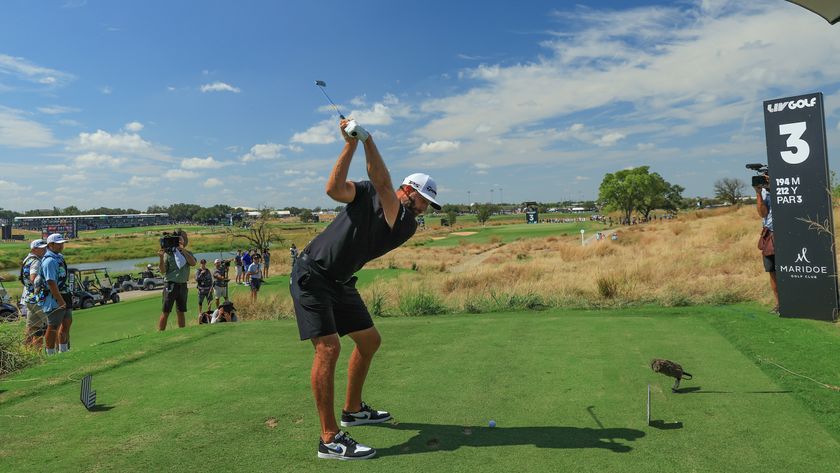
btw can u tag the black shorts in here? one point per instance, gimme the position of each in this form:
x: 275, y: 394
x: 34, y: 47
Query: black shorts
x: 324, y: 306
x: 175, y: 293
x: 204, y: 296
x: 770, y: 264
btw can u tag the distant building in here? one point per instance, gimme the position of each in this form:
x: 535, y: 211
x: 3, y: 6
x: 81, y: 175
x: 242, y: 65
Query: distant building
x: 74, y: 223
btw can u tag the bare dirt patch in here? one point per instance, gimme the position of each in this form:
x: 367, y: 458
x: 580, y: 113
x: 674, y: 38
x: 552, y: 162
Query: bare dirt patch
x: 463, y: 233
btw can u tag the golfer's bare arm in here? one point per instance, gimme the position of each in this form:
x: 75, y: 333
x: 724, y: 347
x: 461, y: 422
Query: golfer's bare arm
x: 338, y: 187
x: 381, y: 180
x: 762, y: 208
x: 162, y: 263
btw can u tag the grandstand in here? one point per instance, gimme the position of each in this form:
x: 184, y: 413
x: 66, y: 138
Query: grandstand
x: 71, y: 224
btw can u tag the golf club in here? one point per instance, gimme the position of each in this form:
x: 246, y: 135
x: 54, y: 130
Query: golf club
x: 321, y: 84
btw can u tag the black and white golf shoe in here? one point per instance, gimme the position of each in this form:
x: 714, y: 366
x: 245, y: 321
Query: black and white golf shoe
x: 344, y: 448
x: 367, y: 415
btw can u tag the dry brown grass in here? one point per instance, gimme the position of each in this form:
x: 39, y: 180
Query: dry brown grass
x: 703, y: 257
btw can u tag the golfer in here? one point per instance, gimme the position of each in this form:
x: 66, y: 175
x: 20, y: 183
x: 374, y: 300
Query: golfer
x: 375, y: 220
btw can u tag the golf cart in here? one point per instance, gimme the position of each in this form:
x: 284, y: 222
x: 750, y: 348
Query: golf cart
x: 90, y: 287
x: 8, y: 311
x: 146, y: 281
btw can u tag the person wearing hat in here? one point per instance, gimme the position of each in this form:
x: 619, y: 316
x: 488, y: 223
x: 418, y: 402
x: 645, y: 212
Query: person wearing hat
x: 224, y: 313
x: 204, y: 283
x: 375, y: 220
x: 220, y: 282
x: 57, y: 303
x: 36, y: 320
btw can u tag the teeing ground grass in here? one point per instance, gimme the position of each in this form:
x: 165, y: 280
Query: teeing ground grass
x: 567, y: 389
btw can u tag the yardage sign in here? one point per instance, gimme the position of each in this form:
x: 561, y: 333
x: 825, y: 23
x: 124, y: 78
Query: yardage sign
x: 806, y: 267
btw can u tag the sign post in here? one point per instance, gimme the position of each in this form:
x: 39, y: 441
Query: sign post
x: 800, y: 199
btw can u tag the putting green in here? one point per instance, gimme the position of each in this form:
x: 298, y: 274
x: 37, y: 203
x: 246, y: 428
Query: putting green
x: 566, y: 388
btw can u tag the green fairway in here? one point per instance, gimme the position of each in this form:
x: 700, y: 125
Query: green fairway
x: 566, y: 387
x: 508, y: 233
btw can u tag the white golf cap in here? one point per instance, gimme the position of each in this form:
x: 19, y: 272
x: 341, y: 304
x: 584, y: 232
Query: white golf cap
x: 217, y: 260
x: 39, y: 243
x: 56, y: 238
x: 425, y: 185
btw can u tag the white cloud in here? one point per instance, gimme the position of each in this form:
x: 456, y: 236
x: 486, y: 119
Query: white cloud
x: 438, y: 147
x: 142, y: 181
x: 322, y: 133
x: 57, y: 110
x: 610, y: 139
x: 179, y: 174
x: 13, y: 186
x: 219, y: 87
x: 133, y: 127
x: 106, y: 90
x: 207, y: 163
x: 89, y: 160
x: 581, y: 178
x: 19, y: 132
x: 120, y: 143
x: 267, y: 151
x: 213, y: 182
x: 22, y: 69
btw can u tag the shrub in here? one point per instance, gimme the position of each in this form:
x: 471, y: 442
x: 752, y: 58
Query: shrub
x: 421, y: 303
x: 608, y: 286
x: 14, y: 355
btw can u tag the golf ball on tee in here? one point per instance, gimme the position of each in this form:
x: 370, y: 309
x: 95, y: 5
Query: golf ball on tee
x: 492, y: 423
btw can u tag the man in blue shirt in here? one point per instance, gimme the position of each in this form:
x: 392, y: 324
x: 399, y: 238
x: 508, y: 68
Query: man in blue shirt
x: 246, y: 262
x: 57, y: 302
x: 767, y: 241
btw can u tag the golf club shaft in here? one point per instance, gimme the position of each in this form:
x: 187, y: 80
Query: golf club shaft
x: 333, y: 104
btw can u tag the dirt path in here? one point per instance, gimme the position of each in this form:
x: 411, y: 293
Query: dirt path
x: 474, y: 261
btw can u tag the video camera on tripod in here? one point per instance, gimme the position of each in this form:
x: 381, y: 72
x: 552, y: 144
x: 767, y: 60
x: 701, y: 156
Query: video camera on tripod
x: 760, y: 179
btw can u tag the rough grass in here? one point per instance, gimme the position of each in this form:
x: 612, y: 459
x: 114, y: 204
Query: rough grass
x: 703, y: 257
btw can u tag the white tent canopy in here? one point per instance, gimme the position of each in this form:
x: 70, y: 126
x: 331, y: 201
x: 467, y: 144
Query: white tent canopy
x: 828, y: 9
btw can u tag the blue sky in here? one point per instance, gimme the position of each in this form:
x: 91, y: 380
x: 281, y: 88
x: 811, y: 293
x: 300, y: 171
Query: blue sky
x: 129, y: 104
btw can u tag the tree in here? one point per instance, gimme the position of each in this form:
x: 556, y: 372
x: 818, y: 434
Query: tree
x: 640, y: 190
x: 451, y: 212
x: 730, y: 189
x: 260, y: 233
x: 306, y: 216
x: 483, y: 212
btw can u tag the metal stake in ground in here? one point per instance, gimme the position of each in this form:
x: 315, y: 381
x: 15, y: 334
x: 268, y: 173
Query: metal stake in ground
x: 87, y: 396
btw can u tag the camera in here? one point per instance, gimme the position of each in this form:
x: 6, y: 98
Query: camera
x: 356, y: 131
x: 170, y: 241
x: 760, y: 179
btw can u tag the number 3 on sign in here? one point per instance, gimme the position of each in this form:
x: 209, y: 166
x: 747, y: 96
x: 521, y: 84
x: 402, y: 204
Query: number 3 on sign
x: 795, y: 130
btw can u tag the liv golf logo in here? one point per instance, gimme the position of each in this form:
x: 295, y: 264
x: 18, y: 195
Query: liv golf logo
x: 802, y: 268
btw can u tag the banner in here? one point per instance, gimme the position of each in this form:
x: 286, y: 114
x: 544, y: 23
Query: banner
x: 800, y: 199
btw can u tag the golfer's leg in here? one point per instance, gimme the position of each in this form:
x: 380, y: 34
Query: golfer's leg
x: 327, y: 349
x: 164, y: 316
x: 367, y: 342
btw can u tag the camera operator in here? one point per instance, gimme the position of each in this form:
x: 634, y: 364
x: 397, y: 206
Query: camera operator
x: 175, y: 262
x: 766, y: 242
x: 220, y: 280
x: 204, y: 284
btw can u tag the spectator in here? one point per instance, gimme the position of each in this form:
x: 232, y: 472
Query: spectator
x: 220, y: 282
x: 225, y: 313
x: 36, y: 320
x: 255, y: 274
x: 57, y: 303
x: 266, y: 257
x: 293, y: 252
x: 767, y: 241
x: 237, y: 260
x: 175, y: 266
x: 204, y: 282
x: 246, y: 263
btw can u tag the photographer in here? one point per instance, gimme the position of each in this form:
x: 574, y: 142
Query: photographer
x: 175, y: 262
x: 220, y: 280
x: 766, y: 242
x: 204, y: 283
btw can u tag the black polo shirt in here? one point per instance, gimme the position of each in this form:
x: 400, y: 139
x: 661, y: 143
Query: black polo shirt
x: 359, y: 234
